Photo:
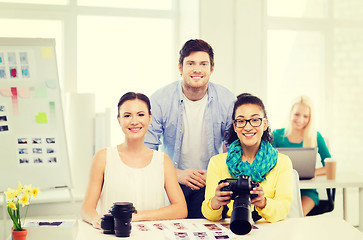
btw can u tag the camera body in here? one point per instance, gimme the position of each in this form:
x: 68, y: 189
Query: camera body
x: 242, y: 185
x: 241, y: 218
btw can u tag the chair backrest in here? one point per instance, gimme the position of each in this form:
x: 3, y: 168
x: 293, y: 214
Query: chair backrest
x: 296, y: 207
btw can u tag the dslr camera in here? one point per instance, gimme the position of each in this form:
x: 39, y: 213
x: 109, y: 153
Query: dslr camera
x: 241, y: 219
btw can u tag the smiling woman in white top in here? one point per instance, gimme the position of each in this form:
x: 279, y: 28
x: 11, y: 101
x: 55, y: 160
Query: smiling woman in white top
x: 133, y: 172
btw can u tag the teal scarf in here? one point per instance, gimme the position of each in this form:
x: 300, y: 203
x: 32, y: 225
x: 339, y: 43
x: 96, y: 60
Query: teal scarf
x: 265, y: 160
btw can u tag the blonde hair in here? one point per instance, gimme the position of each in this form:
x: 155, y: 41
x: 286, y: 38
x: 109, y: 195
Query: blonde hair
x: 309, y: 139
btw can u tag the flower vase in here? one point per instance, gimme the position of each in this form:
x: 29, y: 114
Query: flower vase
x: 20, y: 235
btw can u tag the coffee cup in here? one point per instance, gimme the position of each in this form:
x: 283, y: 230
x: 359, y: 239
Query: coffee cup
x: 122, y: 214
x: 331, y: 168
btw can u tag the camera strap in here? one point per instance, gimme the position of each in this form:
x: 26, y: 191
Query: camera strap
x: 255, y: 215
x: 224, y: 211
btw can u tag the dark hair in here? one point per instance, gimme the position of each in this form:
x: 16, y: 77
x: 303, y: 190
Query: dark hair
x: 196, y: 45
x: 131, y: 96
x: 246, y: 98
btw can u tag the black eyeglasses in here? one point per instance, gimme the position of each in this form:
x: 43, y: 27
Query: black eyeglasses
x: 254, y: 122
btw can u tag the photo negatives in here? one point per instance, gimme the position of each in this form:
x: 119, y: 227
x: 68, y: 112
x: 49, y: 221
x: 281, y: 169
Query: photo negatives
x: 221, y: 235
x: 179, y: 226
x: 160, y: 226
x: 212, y: 227
x: 142, y: 227
x: 200, y: 235
x: 226, y: 225
x: 181, y: 235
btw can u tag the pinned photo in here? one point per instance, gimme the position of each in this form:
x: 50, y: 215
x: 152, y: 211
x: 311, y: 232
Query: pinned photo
x: 50, y: 140
x: 13, y: 72
x: 181, y: 235
x: 37, y: 150
x: 22, y: 140
x: 37, y: 160
x: 36, y: 140
x: 12, y: 58
x: 142, y: 227
x: 23, y: 58
x: 2, y: 72
x: 3, y: 119
x: 4, y: 128
x: 50, y: 150
x: 2, y: 60
x: 23, y: 151
x: 23, y: 160
x: 52, y: 160
x: 25, y: 71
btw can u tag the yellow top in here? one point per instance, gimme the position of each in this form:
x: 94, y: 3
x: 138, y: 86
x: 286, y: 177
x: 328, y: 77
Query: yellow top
x: 277, y: 189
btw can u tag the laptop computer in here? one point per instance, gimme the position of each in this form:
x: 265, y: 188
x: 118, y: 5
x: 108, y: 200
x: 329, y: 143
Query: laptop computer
x: 303, y: 160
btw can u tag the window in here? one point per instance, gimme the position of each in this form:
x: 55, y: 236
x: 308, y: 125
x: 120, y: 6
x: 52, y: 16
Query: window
x: 119, y: 54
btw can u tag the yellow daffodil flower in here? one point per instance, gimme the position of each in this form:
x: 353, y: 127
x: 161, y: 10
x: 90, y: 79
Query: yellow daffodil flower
x: 28, y: 189
x: 12, y: 205
x: 10, y: 194
x: 35, y: 192
x: 24, y: 200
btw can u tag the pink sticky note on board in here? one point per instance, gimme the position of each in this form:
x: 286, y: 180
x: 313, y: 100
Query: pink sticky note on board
x: 24, y: 92
x: 14, y: 99
x: 6, y: 92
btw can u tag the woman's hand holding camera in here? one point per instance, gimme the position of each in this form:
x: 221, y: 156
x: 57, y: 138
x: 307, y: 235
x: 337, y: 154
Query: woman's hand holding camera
x: 260, y: 200
x: 221, y: 198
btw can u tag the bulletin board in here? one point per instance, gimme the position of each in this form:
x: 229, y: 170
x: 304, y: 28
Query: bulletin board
x: 33, y: 147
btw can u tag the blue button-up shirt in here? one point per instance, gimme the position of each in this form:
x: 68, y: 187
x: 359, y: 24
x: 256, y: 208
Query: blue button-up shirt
x: 166, y: 128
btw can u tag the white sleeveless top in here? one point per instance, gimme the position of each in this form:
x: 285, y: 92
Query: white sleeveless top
x: 144, y: 187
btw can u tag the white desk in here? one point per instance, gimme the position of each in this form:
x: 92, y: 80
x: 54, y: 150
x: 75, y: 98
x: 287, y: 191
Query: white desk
x: 344, y: 181
x: 315, y: 227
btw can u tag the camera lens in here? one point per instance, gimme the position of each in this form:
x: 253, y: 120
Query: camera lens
x: 122, y: 214
x: 241, y: 219
x: 107, y: 224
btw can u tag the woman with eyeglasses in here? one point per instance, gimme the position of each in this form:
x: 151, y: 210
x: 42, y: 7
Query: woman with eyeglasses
x: 300, y: 132
x: 250, y: 153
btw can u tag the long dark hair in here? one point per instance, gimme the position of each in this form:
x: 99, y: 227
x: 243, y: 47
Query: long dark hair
x: 131, y: 96
x: 246, y: 98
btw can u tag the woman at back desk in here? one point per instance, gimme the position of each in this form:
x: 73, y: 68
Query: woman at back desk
x: 300, y: 132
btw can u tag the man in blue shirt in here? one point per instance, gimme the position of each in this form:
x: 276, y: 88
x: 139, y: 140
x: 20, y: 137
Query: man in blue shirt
x: 190, y: 119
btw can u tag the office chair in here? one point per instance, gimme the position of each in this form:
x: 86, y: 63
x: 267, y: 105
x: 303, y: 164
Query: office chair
x: 296, y: 207
x: 324, y: 206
